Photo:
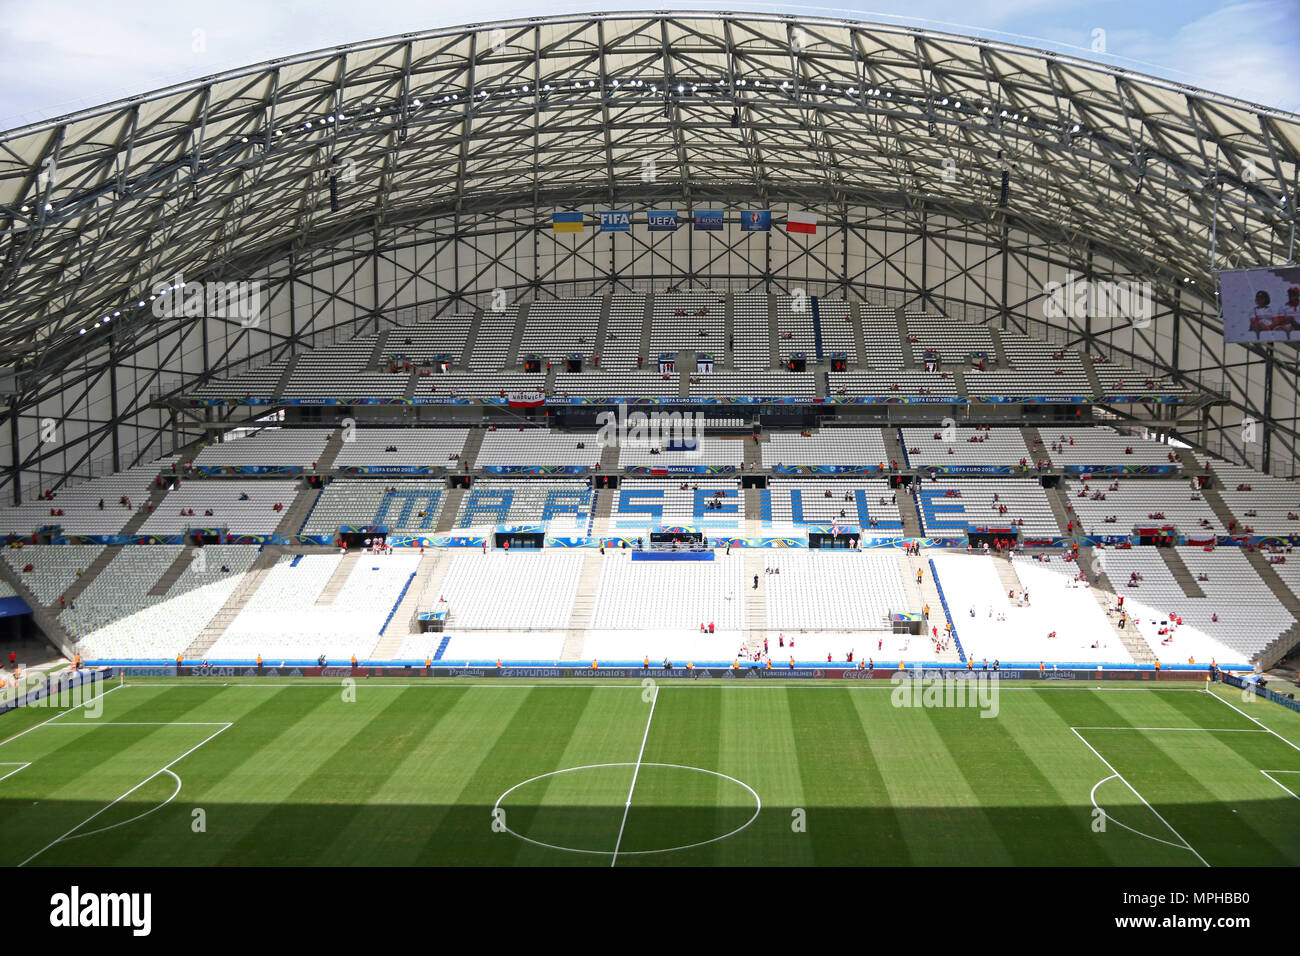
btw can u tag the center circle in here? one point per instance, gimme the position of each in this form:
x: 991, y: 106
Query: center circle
x: 622, y: 811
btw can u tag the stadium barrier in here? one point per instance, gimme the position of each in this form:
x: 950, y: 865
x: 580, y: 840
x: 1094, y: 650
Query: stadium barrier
x: 1074, y: 671
x: 53, y: 688
x: 1288, y: 702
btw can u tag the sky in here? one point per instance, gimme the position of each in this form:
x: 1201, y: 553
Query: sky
x: 59, y: 56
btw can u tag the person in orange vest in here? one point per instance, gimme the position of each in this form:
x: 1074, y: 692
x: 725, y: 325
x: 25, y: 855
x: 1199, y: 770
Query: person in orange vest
x: 428, y: 662
x: 970, y: 663
x: 259, y: 660
x: 690, y: 666
x: 595, y: 665
x: 769, y: 663
x: 902, y: 666
x: 1191, y: 660
x: 498, y: 663
x: 178, y: 660
x: 646, y: 662
x: 791, y: 663
x: 354, y: 660
x: 76, y: 663
x: 1157, y: 665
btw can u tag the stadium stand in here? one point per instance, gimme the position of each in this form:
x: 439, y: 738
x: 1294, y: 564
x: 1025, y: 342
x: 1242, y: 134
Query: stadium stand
x: 964, y: 447
x: 1110, y: 506
x: 952, y: 505
x: 380, y: 448
x: 403, y: 507
x: 244, y: 506
x: 275, y: 447
x: 869, y: 504
x: 539, y: 447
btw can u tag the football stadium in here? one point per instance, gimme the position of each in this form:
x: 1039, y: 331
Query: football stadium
x: 652, y: 439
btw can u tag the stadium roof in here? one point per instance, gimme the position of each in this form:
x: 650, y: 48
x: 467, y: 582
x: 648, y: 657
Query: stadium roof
x: 220, y: 176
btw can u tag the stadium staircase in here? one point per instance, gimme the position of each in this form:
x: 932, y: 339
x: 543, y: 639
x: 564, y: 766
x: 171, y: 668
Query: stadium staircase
x: 246, y: 588
x: 1000, y: 353
x: 602, y: 327
x: 141, y: 513
x: 604, y: 501
x: 376, y: 362
x: 330, y: 451
x: 647, y: 320
x: 755, y: 600
x: 584, y: 605
x: 1218, y: 506
x: 1104, y: 592
x: 1093, y: 381
x: 909, y: 359
x: 287, y: 374
x: 729, y: 331
x: 817, y: 331
x: 773, y: 334
x: 929, y: 591
x: 412, y: 384
x: 517, y: 338
x: 473, y: 443
x: 753, y: 513
x: 859, y: 339
x: 1061, y: 509
x: 421, y: 593
x: 959, y: 382
x: 174, y: 571
x: 1006, y: 574
x: 471, y: 340
x: 295, y: 516
x: 340, y: 576
x: 907, y: 570
x: 47, y: 619
x: 685, y: 369
x: 1186, y: 580
x: 89, y: 574
x: 452, y: 499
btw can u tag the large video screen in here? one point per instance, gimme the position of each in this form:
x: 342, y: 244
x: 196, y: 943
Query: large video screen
x: 1260, y: 305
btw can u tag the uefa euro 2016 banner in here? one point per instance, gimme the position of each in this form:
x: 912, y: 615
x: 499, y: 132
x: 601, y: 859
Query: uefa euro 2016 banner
x: 1260, y: 305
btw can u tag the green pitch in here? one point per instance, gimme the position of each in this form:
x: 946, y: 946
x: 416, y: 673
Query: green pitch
x: 690, y: 773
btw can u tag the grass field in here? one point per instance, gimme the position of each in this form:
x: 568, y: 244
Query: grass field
x: 500, y: 773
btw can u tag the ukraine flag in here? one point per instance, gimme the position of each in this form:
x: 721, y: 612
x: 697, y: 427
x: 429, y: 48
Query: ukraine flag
x: 566, y: 222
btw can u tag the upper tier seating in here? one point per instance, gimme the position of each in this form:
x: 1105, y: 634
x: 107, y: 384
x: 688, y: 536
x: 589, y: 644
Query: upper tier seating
x: 707, y: 451
x: 869, y: 503
x: 403, y: 507
x: 1141, y: 502
x: 492, y: 346
x: 973, y: 504
x: 1099, y: 446
x: 538, y: 446
x: 837, y: 329
x: 762, y: 384
x: 1267, y: 505
x: 555, y: 330
x: 641, y: 503
x: 953, y: 341
x: 301, y: 447
x: 254, y: 515
x: 880, y: 336
x: 839, y: 445
x: 607, y: 384
x: 478, y: 385
x: 965, y: 447
x: 80, y: 504
x: 751, y: 332
x: 894, y: 383
x: 626, y: 318
x: 679, y: 318
x: 439, y: 447
x: 56, y: 567
x: 258, y: 383
x: 794, y: 325
x: 444, y: 335
x: 564, y: 505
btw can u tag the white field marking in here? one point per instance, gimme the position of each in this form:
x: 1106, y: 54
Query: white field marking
x: 167, y: 767
x: 1200, y: 730
x: 1107, y: 814
x: 628, y: 806
x: 1138, y: 795
x: 758, y: 807
x: 1267, y: 773
x: 1253, y: 720
x: 59, y: 714
x: 114, y: 826
x: 16, y: 765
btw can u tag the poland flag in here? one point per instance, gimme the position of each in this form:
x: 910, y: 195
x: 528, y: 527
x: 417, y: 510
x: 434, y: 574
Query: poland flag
x: 797, y: 220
